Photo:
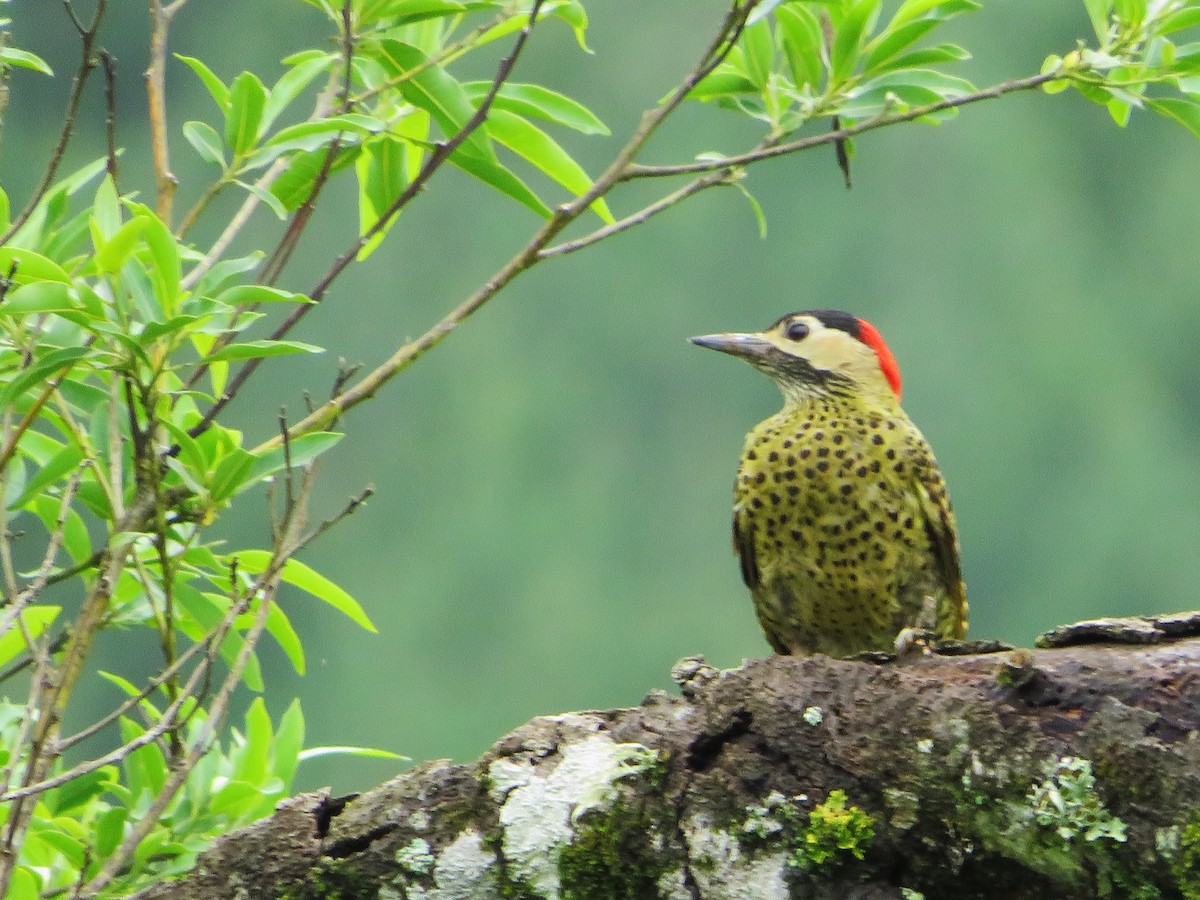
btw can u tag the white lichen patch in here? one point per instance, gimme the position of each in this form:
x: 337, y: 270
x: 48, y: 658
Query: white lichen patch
x: 539, y: 808
x: 721, y: 867
x: 460, y: 872
x: 925, y: 745
x: 415, y: 857
x: 812, y: 715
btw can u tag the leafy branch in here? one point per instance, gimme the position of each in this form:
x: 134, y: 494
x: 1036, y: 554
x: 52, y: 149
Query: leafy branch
x: 121, y: 347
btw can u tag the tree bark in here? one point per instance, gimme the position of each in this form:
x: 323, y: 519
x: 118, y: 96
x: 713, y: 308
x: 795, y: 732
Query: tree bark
x: 1071, y: 772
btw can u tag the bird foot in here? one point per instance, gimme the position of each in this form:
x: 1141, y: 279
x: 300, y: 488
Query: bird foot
x: 912, y: 641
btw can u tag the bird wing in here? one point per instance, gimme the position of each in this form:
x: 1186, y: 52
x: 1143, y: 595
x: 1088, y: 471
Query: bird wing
x: 943, y: 541
x: 743, y: 546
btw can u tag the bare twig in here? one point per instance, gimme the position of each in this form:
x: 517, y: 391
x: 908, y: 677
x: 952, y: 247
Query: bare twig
x: 156, y: 92
x: 110, y: 111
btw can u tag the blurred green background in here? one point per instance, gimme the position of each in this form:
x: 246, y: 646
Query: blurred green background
x: 550, y: 529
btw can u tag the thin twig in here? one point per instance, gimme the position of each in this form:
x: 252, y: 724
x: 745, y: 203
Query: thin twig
x: 35, y: 587
x: 165, y: 181
x: 87, y: 35
x: 528, y: 255
x: 705, y: 181
x: 841, y: 134
x: 110, y: 112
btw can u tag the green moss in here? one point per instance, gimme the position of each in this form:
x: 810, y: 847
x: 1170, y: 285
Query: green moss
x: 611, y: 855
x: 1185, y: 865
x: 334, y: 879
x: 836, y: 832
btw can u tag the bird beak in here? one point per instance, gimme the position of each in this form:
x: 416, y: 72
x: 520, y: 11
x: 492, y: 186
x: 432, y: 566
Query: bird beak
x: 747, y: 346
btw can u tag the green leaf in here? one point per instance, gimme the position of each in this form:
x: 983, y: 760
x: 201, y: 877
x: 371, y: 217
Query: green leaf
x: 1099, y: 12
x: 256, y: 349
x: 249, y: 294
x: 937, y: 9
x: 231, y: 475
x: 762, y: 10
x: 80, y: 790
x: 760, y: 53
x: 928, y: 56
x: 1185, y: 112
x: 310, y: 136
x: 111, y: 254
x: 145, y: 767
x: 39, y: 297
x: 257, y: 749
x: 106, y: 211
x: 369, y: 752
x: 247, y: 98
x: 294, y: 186
x: 847, y: 43
x: 43, y: 369
x: 501, y: 179
x: 722, y: 82
x: 109, y: 830
x: 23, y: 59
x: 272, y: 202
x: 891, y: 43
x: 538, y: 148
x: 1188, y: 17
x: 434, y: 91
x: 279, y: 626
x: 64, y: 462
x: 166, y: 269
x: 205, y: 141
x: 216, y: 87
x: 538, y: 101
x: 25, y: 885
x: 302, y: 450
x: 381, y: 179
x: 406, y: 11
x: 30, y: 266
x: 803, y: 44
x: 291, y: 83
x: 35, y: 619
x: 298, y: 574
x: 289, y: 741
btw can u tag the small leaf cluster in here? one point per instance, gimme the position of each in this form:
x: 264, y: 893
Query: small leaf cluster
x: 1138, y: 62
x: 75, y: 827
x: 798, y: 60
x: 1067, y: 802
x: 835, y: 832
x: 399, y: 101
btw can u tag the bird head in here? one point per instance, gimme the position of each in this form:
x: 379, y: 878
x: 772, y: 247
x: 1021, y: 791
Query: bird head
x: 820, y: 351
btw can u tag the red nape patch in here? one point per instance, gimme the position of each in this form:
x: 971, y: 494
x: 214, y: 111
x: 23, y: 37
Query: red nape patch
x: 869, y: 335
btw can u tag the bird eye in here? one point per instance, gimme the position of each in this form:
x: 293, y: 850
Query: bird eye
x: 796, y: 331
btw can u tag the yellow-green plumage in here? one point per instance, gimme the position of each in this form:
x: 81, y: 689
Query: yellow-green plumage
x: 841, y: 518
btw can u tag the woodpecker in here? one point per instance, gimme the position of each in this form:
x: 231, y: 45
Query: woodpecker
x: 841, y: 519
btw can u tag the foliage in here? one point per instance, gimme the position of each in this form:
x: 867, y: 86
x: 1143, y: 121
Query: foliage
x: 122, y: 343
x: 835, y: 831
x: 1067, y: 802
